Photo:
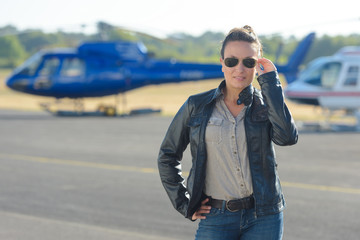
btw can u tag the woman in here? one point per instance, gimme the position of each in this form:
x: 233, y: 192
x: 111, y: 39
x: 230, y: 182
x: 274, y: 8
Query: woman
x: 233, y: 186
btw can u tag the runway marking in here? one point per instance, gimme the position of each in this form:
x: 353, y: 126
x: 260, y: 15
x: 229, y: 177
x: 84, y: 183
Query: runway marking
x: 321, y: 187
x: 104, y: 232
x: 153, y: 170
x: 79, y: 163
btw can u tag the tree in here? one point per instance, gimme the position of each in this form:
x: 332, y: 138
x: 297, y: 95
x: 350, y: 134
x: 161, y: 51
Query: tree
x: 8, y: 30
x: 11, y: 51
x: 34, y: 41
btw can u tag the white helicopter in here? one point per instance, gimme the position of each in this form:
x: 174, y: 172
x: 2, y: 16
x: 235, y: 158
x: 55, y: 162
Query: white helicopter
x: 331, y: 82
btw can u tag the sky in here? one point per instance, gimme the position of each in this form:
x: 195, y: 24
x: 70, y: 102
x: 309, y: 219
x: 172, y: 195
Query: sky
x: 163, y: 17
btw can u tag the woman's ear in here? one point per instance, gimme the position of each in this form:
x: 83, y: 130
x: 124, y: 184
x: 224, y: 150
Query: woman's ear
x: 222, y: 63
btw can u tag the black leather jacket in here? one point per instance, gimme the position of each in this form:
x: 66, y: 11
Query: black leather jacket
x: 267, y: 120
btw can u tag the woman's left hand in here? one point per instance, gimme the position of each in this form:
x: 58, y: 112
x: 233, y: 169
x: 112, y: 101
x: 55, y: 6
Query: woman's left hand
x: 266, y: 66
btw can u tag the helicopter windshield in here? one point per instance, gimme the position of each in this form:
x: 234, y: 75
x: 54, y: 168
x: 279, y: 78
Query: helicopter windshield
x: 30, y: 66
x: 324, y: 75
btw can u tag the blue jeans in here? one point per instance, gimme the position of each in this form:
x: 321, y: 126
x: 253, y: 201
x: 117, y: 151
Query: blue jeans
x: 221, y: 224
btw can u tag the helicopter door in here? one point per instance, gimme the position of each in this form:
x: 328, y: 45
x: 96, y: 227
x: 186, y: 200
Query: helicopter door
x: 72, y: 69
x: 45, y: 76
x: 330, y: 74
x: 352, y: 77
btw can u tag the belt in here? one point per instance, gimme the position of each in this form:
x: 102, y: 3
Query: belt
x: 233, y: 205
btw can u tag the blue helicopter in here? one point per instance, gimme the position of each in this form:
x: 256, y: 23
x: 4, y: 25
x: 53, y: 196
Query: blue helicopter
x: 96, y: 69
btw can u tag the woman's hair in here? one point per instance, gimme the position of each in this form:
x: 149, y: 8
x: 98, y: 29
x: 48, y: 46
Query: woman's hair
x: 245, y: 34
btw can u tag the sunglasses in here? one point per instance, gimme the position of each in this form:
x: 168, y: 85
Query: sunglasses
x: 247, y: 62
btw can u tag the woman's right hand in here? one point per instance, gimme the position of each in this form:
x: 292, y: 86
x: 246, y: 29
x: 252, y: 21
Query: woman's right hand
x: 202, y: 209
x: 264, y: 65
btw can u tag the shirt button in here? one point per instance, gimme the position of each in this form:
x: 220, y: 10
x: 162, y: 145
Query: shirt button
x: 235, y: 152
x: 233, y: 137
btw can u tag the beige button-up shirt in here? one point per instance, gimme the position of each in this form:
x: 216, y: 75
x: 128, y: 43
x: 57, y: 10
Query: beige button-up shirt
x: 227, y: 171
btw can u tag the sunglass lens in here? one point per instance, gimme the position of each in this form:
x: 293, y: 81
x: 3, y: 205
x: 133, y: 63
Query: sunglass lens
x: 231, y: 62
x: 249, y: 62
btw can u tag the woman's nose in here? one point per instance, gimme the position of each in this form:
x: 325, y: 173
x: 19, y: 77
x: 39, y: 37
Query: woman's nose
x: 240, y: 67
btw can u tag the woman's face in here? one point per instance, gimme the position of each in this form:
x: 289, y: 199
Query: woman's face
x: 239, y: 77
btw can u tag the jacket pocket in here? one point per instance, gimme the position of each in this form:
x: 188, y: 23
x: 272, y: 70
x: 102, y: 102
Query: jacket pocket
x: 194, y: 126
x: 194, y: 121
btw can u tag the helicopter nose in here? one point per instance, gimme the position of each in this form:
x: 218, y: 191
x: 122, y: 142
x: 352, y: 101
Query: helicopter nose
x: 18, y: 84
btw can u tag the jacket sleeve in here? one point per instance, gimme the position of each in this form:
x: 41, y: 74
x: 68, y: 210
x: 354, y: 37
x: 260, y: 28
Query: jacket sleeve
x: 283, y: 131
x: 170, y: 155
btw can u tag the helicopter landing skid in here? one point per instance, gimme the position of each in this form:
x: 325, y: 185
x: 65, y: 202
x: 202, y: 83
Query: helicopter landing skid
x: 328, y: 126
x: 102, y: 110
x: 78, y: 109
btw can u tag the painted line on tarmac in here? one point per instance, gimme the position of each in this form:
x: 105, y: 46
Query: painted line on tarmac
x: 153, y: 170
x: 79, y: 229
x: 321, y: 187
x: 79, y: 163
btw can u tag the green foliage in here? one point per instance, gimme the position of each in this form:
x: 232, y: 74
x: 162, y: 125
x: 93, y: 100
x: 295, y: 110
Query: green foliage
x: 8, y: 30
x: 326, y: 45
x: 11, y: 51
x: 35, y: 41
x: 204, y: 48
x: 16, y: 45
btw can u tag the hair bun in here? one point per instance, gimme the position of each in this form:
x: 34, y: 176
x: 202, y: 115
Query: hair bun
x: 247, y: 27
x: 246, y: 33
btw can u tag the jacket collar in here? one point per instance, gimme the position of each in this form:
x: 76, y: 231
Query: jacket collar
x: 246, y: 95
x: 218, y: 91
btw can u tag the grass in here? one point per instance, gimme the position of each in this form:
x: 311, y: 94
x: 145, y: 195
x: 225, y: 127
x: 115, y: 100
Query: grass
x: 167, y: 97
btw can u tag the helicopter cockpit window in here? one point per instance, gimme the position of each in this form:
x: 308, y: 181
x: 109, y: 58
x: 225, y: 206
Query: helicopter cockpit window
x: 352, y: 76
x: 30, y: 66
x: 49, y: 67
x: 72, y: 67
x: 326, y: 75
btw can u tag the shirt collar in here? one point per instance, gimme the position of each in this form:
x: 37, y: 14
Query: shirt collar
x: 219, y: 90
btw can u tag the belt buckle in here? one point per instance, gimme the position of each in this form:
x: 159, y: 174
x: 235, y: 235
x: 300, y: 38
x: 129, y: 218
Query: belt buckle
x: 228, y: 208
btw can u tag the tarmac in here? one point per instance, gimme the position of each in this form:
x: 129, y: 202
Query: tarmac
x: 96, y: 178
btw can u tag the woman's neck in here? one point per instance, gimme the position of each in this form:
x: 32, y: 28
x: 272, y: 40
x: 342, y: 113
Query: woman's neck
x: 231, y: 96
x: 230, y: 99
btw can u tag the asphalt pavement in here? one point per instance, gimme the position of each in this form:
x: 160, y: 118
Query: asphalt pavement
x: 96, y: 178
